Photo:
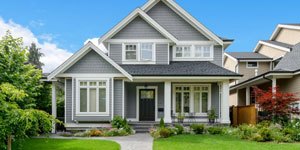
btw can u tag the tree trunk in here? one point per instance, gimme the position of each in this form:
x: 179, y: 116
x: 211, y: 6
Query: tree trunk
x: 9, y: 142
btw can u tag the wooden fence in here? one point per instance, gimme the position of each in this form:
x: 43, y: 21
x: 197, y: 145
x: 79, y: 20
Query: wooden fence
x: 243, y: 115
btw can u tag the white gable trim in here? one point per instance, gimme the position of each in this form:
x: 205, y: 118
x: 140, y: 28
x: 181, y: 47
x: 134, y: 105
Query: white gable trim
x: 258, y: 45
x: 185, y: 15
x: 84, y: 50
x: 132, y: 16
x: 279, y: 27
x: 229, y: 56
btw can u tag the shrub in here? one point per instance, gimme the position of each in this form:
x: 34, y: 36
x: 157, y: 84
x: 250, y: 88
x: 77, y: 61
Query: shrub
x: 164, y: 132
x: 95, y: 132
x: 180, y: 128
x: 266, y: 134
x: 82, y: 134
x: 197, y: 128
x: 118, y: 122
x: 162, y: 123
x: 246, y: 131
x: 215, y: 130
x: 154, y: 133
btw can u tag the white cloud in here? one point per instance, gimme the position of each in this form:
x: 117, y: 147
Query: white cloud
x: 53, y: 55
x: 95, y: 42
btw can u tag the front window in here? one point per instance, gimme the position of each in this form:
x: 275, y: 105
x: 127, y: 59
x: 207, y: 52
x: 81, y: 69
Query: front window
x: 92, y: 96
x: 139, y: 52
x: 131, y: 51
x: 193, y: 51
x: 146, y: 51
x: 192, y: 98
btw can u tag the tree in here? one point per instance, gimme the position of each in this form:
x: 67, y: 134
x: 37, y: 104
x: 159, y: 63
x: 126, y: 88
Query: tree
x: 15, y: 70
x: 277, y: 105
x: 34, y: 56
x: 19, y: 123
x: 19, y: 86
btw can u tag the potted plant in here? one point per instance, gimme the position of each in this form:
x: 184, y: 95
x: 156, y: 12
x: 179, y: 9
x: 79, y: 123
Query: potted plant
x: 212, y: 116
x: 180, y: 117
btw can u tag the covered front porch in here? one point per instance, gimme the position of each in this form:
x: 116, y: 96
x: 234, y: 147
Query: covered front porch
x: 151, y: 100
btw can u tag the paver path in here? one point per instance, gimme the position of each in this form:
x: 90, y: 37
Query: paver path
x: 139, y: 141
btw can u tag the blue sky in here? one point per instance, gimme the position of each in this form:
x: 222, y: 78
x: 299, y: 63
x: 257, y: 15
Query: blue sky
x: 68, y: 23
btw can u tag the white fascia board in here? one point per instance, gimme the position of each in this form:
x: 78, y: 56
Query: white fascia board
x: 256, y: 60
x: 74, y: 58
x: 194, y: 22
x: 270, y: 45
x: 129, y: 18
x: 229, y: 56
x: 280, y: 26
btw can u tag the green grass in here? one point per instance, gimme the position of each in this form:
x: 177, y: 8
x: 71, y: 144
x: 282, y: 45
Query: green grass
x: 63, y: 144
x: 217, y: 142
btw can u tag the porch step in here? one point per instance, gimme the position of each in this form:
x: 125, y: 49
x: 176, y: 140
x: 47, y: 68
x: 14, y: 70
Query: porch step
x: 142, y: 127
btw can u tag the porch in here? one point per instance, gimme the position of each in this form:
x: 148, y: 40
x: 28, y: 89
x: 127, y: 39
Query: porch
x: 151, y: 101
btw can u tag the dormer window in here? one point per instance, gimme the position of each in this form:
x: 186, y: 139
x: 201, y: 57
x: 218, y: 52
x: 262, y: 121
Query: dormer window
x: 193, y: 52
x: 138, y: 53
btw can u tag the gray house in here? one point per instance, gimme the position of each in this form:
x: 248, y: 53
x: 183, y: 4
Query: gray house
x: 160, y: 62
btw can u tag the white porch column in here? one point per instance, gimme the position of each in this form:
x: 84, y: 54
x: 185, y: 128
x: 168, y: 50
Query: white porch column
x: 274, y: 84
x: 247, y: 95
x: 53, y: 106
x: 167, y: 103
x: 225, y: 103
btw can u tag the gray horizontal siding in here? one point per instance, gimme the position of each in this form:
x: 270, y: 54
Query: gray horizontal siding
x: 162, y: 54
x: 115, y: 53
x: 138, y: 29
x: 174, y: 24
x: 92, y: 62
x: 118, y: 92
x: 218, y: 55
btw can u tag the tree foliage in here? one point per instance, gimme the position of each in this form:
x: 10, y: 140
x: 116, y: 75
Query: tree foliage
x: 19, y: 87
x: 34, y: 56
x: 15, y: 70
x: 277, y: 104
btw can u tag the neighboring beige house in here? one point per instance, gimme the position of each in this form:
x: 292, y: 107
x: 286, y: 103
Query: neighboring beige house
x: 274, y: 62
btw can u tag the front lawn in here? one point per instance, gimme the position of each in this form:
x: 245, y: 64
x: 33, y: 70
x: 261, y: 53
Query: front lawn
x: 216, y: 142
x: 62, y: 144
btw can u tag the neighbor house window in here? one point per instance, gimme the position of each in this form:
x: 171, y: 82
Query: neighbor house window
x: 146, y: 51
x: 252, y: 64
x: 93, y: 96
x: 194, y: 51
x: 140, y: 52
x: 131, y: 51
x: 192, y: 98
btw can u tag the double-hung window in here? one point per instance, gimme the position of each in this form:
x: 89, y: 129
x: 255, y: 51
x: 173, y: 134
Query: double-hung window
x: 139, y: 52
x: 147, y: 51
x: 131, y: 51
x: 193, y: 52
x: 92, y: 97
x: 192, y: 98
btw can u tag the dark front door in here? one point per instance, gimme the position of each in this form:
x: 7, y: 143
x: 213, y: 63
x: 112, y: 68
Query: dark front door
x: 147, y: 104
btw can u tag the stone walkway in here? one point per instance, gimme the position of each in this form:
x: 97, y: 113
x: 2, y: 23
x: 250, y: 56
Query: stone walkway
x: 139, y: 141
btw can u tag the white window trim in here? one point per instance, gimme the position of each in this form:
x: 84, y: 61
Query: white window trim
x: 78, y: 113
x: 252, y: 67
x: 191, y: 98
x: 138, y: 54
x: 193, y: 57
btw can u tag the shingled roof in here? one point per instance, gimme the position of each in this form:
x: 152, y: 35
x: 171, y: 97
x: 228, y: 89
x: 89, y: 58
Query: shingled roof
x: 248, y: 56
x: 185, y: 68
x: 291, y: 61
